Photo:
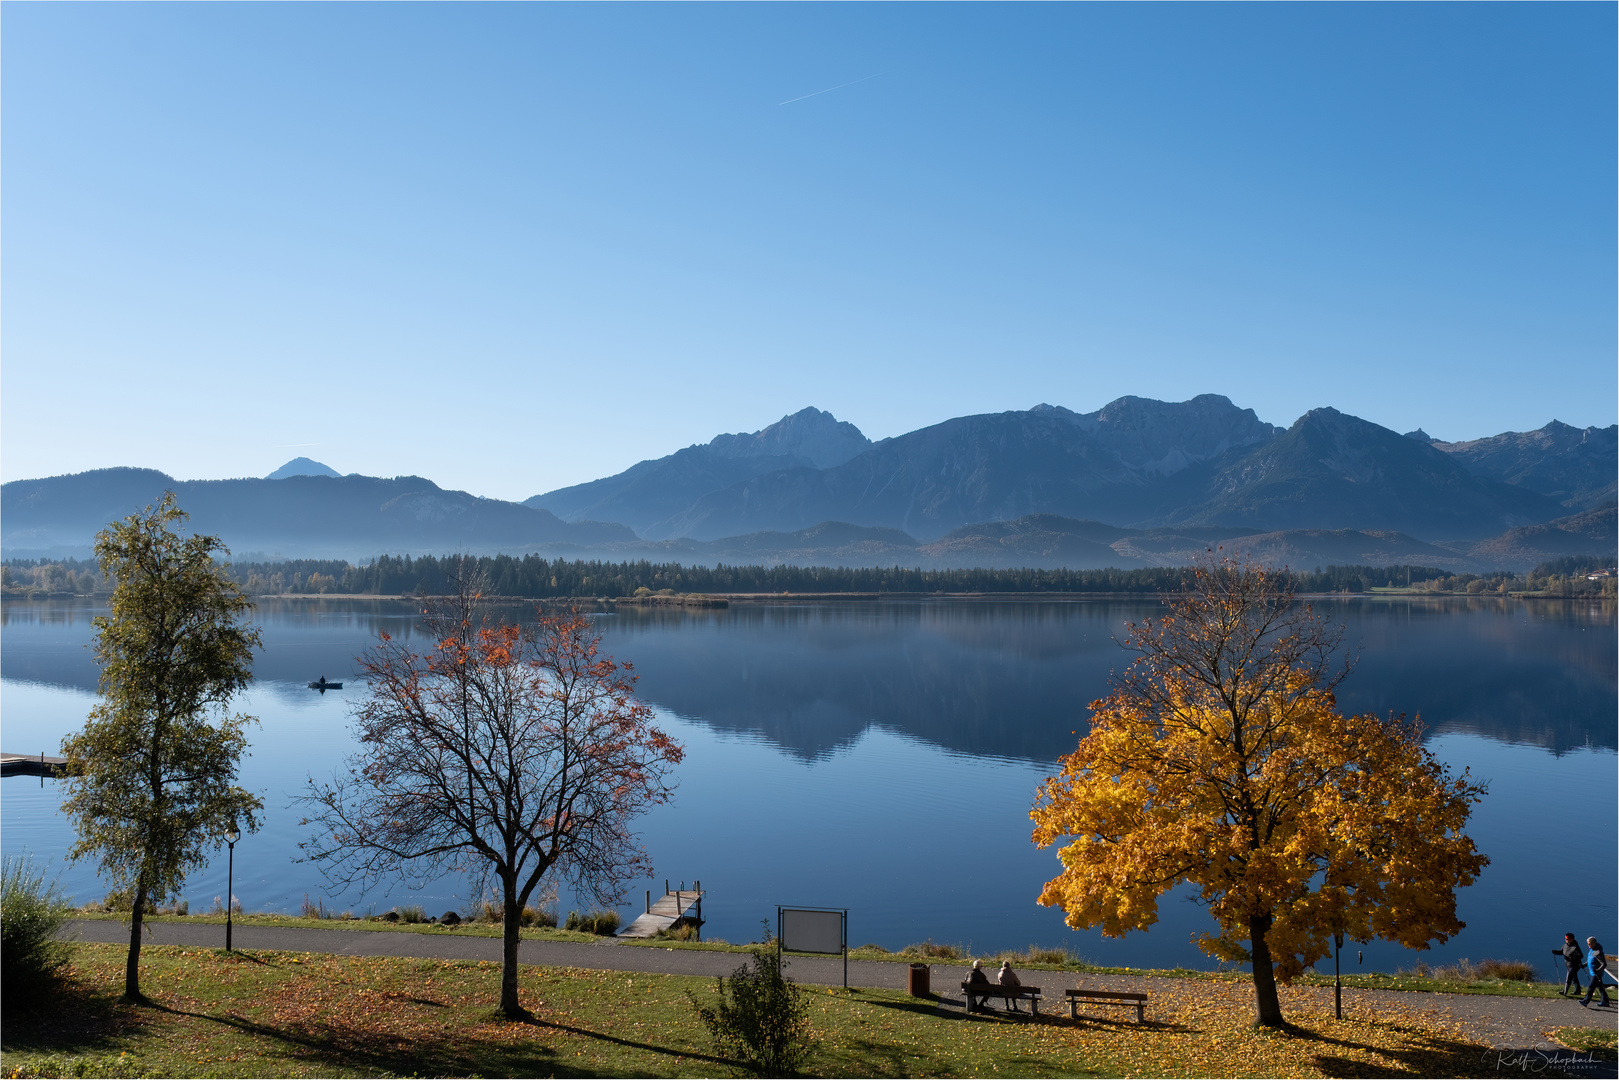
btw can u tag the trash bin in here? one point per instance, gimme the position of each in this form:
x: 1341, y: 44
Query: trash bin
x: 919, y: 980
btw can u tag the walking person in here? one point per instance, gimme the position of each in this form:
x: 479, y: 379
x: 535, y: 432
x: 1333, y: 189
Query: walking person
x: 1596, y: 963
x: 1574, y: 957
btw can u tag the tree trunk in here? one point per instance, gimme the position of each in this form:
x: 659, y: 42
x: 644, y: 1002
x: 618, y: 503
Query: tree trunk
x: 132, y: 966
x: 1266, y: 1003
x: 511, y: 922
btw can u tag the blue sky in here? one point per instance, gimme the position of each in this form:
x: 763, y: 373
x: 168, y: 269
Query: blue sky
x: 513, y: 247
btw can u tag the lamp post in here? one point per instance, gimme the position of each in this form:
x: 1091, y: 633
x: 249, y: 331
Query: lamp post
x: 232, y: 835
x: 1337, y: 979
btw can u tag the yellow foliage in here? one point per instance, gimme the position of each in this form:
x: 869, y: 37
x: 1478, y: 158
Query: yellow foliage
x: 1220, y: 759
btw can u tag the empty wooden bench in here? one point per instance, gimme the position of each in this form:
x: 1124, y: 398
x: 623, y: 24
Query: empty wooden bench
x: 1108, y: 997
x: 1008, y: 994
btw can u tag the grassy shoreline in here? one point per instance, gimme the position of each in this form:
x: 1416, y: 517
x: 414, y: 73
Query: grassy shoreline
x: 1030, y: 959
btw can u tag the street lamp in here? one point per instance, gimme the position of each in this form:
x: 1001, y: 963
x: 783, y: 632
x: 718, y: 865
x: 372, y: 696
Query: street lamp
x: 232, y: 835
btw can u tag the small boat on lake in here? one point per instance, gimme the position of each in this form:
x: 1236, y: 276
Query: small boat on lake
x: 324, y: 686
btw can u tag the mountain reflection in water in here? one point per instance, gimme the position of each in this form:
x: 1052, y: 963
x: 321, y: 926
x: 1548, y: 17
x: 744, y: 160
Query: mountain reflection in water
x: 835, y: 748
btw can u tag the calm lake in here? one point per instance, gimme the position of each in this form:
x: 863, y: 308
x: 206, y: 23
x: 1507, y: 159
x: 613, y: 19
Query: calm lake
x: 883, y: 756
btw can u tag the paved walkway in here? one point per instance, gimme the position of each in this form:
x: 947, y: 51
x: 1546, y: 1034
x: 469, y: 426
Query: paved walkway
x: 1517, y: 1023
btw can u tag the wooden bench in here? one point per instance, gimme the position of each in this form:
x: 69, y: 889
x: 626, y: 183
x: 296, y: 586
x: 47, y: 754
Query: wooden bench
x: 1008, y: 994
x: 1108, y: 997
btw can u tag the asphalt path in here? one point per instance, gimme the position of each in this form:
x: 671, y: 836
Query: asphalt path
x: 1505, y: 1022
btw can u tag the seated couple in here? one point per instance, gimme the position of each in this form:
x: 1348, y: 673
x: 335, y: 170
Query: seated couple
x: 1007, y: 977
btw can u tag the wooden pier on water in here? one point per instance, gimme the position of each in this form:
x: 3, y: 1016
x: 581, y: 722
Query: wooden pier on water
x: 31, y: 765
x: 677, y: 905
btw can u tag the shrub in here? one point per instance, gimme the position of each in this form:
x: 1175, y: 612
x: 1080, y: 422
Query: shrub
x: 539, y: 916
x: 602, y: 922
x: 311, y: 909
x: 929, y: 951
x: 124, y: 899
x: 761, y: 1018
x: 1036, y: 954
x: 1510, y: 970
x: 1465, y: 971
x: 680, y: 931
x: 411, y: 913
x: 31, y: 915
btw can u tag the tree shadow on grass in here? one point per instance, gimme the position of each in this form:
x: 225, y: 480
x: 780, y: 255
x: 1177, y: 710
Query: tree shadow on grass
x: 420, y: 1053
x: 630, y: 1044
x: 72, y: 1018
x: 1422, y: 1054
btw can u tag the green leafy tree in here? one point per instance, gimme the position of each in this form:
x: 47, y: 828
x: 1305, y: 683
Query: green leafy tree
x: 761, y: 1018
x: 152, y: 777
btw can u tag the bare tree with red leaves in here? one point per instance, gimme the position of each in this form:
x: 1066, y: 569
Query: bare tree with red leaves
x: 506, y: 750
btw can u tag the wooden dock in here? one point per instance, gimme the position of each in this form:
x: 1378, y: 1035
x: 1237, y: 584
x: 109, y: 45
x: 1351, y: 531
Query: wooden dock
x: 31, y: 765
x: 677, y: 904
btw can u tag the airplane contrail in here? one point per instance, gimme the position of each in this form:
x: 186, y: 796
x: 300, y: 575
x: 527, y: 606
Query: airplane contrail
x: 828, y: 90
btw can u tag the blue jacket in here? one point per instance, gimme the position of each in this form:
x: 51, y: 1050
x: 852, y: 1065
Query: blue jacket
x: 1595, y: 962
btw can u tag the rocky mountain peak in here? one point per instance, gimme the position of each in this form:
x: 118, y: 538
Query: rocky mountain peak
x: 1164, y: 437
x: 811, y: 435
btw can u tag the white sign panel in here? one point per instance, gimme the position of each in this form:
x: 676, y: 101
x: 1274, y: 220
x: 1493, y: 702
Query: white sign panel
x: 811, y: 931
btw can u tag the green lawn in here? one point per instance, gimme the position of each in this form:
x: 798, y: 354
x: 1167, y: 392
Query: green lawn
x: 295, y: 1014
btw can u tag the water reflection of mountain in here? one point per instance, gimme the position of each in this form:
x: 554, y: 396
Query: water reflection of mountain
x: 1008, y: 679
x: 1013, y: 679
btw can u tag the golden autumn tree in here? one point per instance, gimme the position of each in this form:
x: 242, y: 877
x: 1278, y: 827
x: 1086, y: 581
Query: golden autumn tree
x: 1220, y: 759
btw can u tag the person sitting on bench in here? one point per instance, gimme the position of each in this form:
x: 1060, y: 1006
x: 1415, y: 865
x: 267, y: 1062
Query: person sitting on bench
x: 1008, y: 977
x: 977, y: 978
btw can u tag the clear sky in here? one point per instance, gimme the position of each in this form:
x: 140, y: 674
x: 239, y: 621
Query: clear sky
x: 513, y: 247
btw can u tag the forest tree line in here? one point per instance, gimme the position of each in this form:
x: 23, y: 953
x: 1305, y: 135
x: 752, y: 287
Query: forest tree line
x: 536, y: 578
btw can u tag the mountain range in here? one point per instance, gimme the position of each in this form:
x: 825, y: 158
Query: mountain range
x: 1137, y: 482
x: 1135, y: 463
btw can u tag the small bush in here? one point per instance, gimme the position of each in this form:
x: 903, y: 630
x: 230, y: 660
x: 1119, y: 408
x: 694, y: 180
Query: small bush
x: 1509, y: 970
x: 1036, y: 954
x: 31, y: 915
x: 538, y: 916
x: 311, y: 909
x: 682, y: 931
x: 1465, y: 971
x: 600, y: 921
x: 929, y: 951
x: 124, y: 899
x: 411, y: 913
x: 761, y: 1018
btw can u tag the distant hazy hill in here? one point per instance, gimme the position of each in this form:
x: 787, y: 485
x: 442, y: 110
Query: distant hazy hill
x: 347, y: 516
x: 1047, y: 541
x: 1572, y: 465
x: 647, y: 493
x: 302, y: 466
x: 1594, y: 532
